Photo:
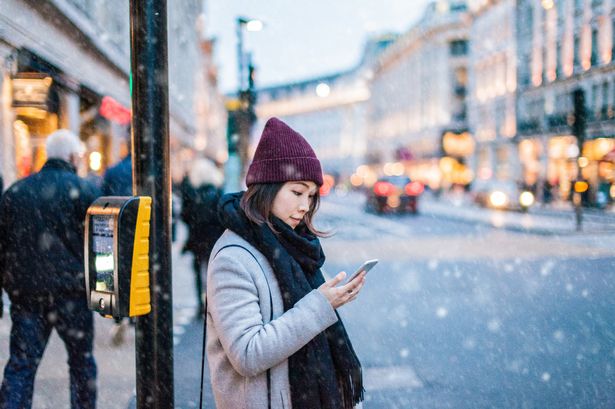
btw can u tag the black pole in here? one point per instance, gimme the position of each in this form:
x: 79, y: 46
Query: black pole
x: 150, y: 135
x: 239, y: 22
x: 578, y: 130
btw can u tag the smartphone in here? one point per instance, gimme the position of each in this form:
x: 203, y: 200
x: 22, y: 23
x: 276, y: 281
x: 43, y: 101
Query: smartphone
x: 368, y: 265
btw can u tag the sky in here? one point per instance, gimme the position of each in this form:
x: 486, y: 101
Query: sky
x: 302, y: 39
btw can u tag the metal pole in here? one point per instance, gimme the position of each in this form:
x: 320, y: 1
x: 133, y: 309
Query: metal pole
x: 578, y: 130
x: 151, y: 177
x: 239, y: 22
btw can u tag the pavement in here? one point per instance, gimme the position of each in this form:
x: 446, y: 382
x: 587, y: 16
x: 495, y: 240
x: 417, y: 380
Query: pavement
x: 116, y: 363
x: 557, y: 219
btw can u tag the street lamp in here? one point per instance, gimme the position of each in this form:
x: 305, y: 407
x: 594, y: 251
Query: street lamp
x: 250, y: 25
x: 244, y: 115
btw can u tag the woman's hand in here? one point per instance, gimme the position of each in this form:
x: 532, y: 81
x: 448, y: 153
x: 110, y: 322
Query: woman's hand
x: 341, y: 295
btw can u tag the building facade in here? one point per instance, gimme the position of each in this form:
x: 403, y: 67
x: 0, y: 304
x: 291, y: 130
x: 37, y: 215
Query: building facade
x: 564, y: 46
x: 417, y: 114
x: 66, y: 64
x: 329, y: 111
x: 492, y: 89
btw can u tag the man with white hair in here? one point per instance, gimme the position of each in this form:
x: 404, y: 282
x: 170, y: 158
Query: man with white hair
x: 41, y: 269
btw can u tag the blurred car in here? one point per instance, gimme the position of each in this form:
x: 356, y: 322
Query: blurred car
x: 505, y: 195
x: 394, y: 194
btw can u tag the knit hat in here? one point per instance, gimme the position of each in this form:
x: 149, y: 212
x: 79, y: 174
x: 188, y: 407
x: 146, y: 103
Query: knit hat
x: 283, y: 155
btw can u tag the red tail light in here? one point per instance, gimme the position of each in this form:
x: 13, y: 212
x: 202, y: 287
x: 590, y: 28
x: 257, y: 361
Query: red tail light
x: 414, y: 188
x: 383, y: 188
x: 324, y: 190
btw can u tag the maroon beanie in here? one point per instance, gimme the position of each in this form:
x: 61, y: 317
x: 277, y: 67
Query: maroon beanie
x: 283, y: 155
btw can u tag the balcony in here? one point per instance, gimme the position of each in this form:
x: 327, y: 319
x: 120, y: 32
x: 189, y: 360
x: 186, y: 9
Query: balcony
x: 528, y: 126
x: 557, y: 120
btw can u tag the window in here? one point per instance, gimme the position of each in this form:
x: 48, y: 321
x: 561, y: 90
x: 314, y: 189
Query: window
x: 459, y: 47
x: 560, y: 9
x: 594, y: 55
x: 577, y: 60
x: 595, y: 101
x: 558, y: 60
x: 605, y: 100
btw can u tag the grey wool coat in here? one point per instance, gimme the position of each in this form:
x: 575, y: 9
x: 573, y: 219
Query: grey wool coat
x: 249, y: 336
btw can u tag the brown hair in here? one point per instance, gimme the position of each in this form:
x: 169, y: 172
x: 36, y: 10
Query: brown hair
x: 257, y: 203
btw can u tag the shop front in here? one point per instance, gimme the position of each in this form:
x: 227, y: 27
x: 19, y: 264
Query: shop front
x: 105, y: 132
x: 562, y: 153
x: 457, y: 148
x: 35, y: 103
x: 43, y: 99
x: 598, y: 168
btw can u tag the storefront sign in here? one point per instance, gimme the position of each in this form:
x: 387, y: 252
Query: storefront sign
x: 458, y: 145
x: 114, y: 111
x: 31, y: 90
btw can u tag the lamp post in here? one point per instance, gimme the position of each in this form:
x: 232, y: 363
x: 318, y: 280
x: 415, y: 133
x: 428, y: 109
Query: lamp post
x: 250, y: 25
x: 579, y: 125
x: 245, y: 93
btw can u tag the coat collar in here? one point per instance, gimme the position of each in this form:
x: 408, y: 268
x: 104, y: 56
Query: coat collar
x: 58, y: 164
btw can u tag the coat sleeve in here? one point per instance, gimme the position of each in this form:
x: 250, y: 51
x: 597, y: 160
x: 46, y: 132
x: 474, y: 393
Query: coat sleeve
x: 3, y: 238
x: 251, y: 345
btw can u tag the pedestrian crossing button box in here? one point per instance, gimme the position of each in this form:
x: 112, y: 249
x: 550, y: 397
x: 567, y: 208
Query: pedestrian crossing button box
x: 117, y: 256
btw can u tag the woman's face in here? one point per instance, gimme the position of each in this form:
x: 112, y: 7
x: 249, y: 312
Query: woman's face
x: 293, y: 201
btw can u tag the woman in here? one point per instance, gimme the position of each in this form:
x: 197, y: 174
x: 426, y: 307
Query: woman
x: 200, y: 193
x: 274, y: 337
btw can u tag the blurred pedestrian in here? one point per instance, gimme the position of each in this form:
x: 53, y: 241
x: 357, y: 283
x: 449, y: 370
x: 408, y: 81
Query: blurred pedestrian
x: 41, y: 269
x: 200, y: 193
x: 275, y: 338
x: 117, y: 180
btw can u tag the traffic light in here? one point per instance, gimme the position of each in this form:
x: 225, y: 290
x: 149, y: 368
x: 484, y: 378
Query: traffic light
x: 232, y: 131
x: 251, y: 76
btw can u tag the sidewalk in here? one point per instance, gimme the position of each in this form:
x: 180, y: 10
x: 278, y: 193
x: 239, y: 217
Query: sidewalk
x: 116, y: 364
x: 116, y: 367
x: 543, y: 221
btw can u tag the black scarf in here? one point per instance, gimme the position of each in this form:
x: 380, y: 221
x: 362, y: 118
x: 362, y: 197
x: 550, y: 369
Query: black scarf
x: 326, y: 372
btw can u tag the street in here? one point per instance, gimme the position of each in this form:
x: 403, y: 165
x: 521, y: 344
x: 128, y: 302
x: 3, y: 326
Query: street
x: 461, y: 315
x: 457, y: 314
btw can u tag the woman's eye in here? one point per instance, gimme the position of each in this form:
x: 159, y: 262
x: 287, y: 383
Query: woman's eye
x: 297, y: 193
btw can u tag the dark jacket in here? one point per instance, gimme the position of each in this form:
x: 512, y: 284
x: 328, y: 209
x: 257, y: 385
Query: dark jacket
x: 199, y: 212
x: 41, y: 232
x: 118, y: 179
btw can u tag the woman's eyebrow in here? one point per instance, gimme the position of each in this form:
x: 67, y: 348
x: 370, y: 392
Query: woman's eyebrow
x: 306, y: 186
